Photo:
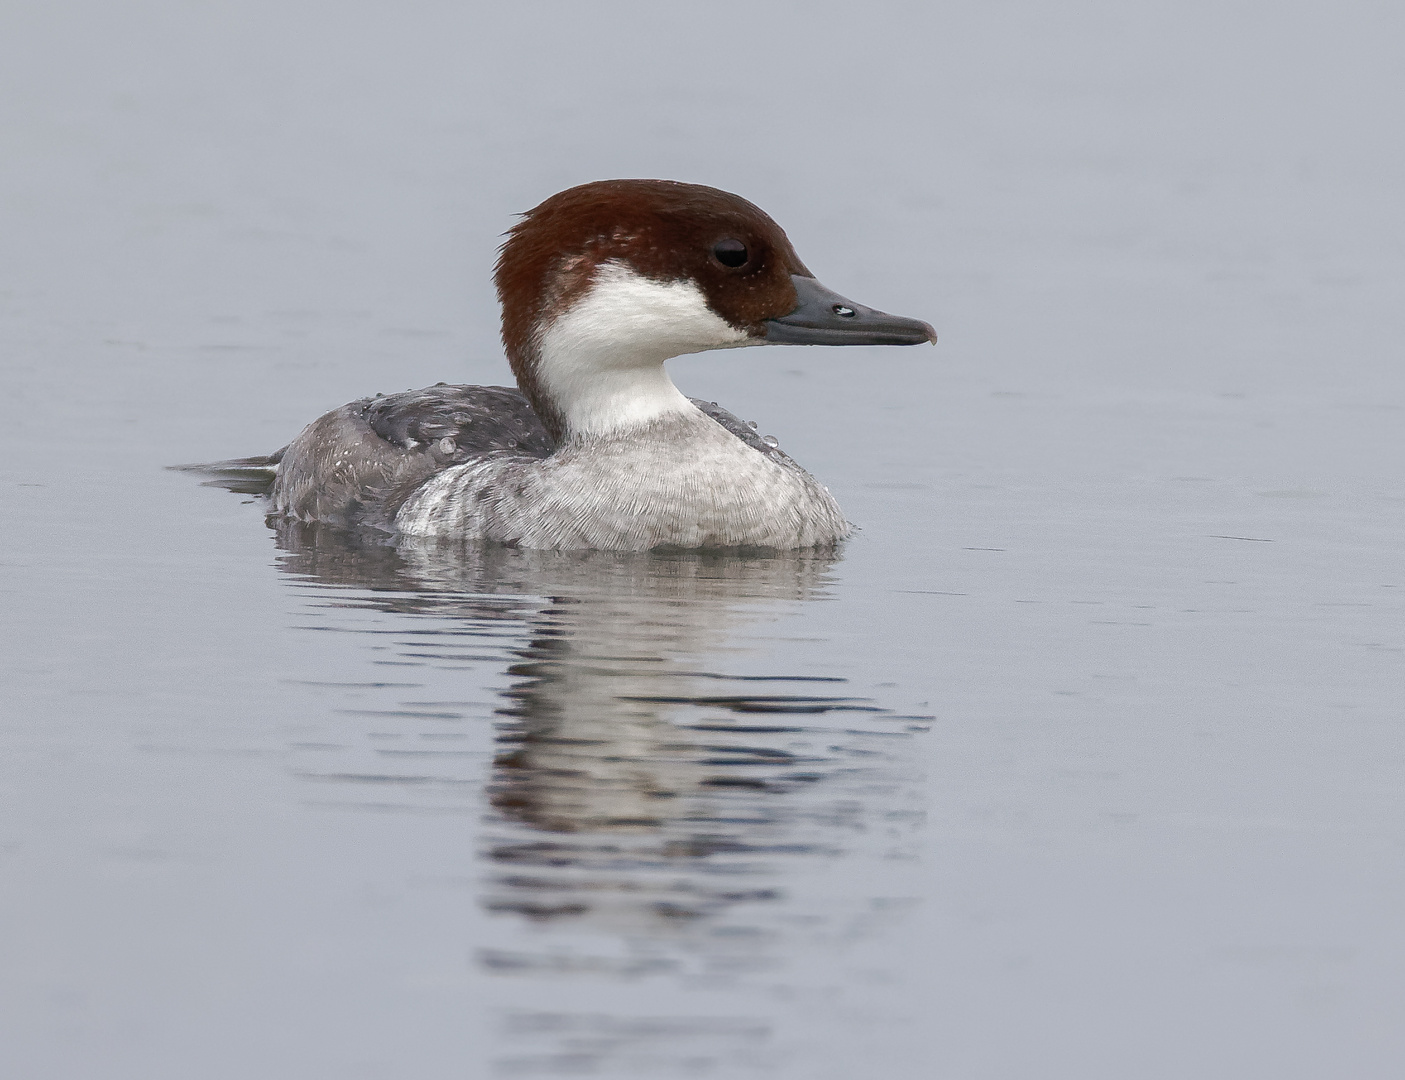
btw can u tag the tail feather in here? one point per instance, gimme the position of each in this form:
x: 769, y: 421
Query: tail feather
x: 245, y: 476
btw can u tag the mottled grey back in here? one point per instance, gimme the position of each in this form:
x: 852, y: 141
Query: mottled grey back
x: 357, y: 464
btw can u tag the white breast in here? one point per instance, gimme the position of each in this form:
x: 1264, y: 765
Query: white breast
x: 682, y: 480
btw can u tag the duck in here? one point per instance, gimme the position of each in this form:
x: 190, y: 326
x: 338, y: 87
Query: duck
x: 596, y: 448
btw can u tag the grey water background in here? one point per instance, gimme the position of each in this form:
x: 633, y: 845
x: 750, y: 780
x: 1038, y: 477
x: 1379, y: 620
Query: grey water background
x: 1112, y: 783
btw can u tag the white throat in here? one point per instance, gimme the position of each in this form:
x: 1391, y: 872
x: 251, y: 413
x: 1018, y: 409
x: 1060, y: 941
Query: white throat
x: 601, y: 360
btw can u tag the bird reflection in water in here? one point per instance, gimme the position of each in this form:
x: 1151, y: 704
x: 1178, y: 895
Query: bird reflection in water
x: 637, y: 794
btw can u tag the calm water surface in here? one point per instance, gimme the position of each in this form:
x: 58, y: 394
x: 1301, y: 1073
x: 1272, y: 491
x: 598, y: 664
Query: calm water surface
x: 1082, y: 759
x: 643, y: 820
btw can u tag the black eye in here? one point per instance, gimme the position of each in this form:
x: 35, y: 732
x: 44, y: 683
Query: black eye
x: 731, y: 253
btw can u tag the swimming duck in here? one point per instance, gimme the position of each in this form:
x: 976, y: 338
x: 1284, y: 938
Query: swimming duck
x: 596, y: 448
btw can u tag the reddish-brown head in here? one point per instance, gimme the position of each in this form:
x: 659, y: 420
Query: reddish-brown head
x: 665, y: 230
x: 618, y: 275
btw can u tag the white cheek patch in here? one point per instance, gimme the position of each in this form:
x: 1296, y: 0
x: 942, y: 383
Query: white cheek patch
x: 601, y: 360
